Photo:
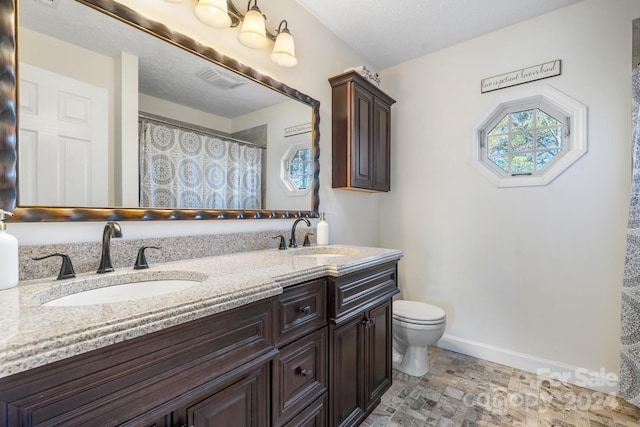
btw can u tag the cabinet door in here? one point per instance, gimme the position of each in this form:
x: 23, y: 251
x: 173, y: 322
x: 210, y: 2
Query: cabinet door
x: 362, y: 142
x: 381, y: 146
x: 243, y: 403
x: 378, y: 340
x: 347, y: 373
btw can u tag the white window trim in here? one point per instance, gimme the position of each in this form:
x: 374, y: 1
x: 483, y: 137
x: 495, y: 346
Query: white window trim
x: 577, y: 144
x: 292, y: 189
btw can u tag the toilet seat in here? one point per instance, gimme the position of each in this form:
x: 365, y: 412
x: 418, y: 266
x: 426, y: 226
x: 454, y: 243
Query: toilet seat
x: 416, y: 326
x: 417, y: 313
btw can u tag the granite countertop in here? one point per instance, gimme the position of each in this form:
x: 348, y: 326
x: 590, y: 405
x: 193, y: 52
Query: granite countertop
x: 33, y: 335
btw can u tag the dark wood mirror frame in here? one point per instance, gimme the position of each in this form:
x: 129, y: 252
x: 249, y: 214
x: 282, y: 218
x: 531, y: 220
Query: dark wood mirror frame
x: 8, y: 127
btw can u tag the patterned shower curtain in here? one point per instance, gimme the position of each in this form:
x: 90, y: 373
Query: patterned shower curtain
x: 630, y: 336
x: 190, y: 169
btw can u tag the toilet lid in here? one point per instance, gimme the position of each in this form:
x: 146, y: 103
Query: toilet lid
x: 417, y: 312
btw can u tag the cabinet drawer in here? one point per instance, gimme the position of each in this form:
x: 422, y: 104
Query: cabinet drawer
x: 314, y: 415
x: 301, y: 309
x: 300, y: 375
x: 354, y: 292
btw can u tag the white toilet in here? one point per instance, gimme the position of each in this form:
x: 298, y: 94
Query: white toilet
x: 416, y: 325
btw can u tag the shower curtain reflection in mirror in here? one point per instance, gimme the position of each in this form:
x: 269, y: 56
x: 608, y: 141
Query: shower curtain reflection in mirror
x: 187, y: 168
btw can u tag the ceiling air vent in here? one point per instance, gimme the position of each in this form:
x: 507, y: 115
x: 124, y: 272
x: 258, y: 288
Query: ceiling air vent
x: 219, y: 79
x: 51, y: 3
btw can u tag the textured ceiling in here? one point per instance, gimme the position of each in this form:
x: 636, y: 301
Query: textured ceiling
x: 389, y: 32
x: 165, y: 71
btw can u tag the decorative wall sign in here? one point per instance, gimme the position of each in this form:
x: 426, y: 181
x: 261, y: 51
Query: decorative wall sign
x: 297, y: 129
x: 525, y: 75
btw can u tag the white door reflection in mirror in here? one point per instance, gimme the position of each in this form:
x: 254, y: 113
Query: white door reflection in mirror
x: 63, y: 136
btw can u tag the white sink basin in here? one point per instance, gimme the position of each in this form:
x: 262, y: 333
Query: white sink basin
x: 125, y: 292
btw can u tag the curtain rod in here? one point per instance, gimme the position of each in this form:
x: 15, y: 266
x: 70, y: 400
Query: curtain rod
x: 190, y: 127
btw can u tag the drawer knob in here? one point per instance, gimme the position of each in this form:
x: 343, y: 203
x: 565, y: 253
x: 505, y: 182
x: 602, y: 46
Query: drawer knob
x: 306, y: 309
x: 304, y: 372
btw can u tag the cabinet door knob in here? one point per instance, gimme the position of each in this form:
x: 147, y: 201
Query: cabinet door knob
x: 306, y: 309
x: 305, y: 372
x: 368, y: 321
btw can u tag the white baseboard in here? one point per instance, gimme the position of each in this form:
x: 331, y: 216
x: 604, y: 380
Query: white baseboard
x: 599, y: 381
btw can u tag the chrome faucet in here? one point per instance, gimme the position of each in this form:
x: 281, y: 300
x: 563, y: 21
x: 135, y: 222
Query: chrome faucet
x: 292, y: 241
x: 111, y: 229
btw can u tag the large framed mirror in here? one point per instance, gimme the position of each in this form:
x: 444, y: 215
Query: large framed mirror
x: 130, y: 91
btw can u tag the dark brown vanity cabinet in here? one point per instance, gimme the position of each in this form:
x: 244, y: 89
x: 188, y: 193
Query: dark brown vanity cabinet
x: 361, y: 134
x: 319, y: 355
x: 218, y: 366
x: 360, y: 354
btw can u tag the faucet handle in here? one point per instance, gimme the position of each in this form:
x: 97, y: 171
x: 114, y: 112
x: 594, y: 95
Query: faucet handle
x: 66, y: 269
x: 141, y: 260
x: 283, y: 245
x: 306, y: 239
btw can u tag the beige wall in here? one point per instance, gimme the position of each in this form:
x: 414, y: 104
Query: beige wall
x: 529, y: 276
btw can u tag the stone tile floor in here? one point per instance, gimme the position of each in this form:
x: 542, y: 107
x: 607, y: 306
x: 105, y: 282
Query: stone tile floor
x: 461, y: 390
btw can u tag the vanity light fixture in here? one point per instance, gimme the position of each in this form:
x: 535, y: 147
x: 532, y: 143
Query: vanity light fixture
x: 253, y: 32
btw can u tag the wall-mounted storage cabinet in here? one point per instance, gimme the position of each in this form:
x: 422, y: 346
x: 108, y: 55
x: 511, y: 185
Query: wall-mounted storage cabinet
x: 361, y: 134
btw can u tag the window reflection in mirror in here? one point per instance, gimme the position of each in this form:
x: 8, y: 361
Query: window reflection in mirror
x: 296, y: 169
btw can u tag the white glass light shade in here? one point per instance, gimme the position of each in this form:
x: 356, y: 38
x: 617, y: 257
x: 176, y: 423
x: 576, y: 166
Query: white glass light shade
x: 253, y: 33
x: 213, y: 13
x: 284, y: 53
